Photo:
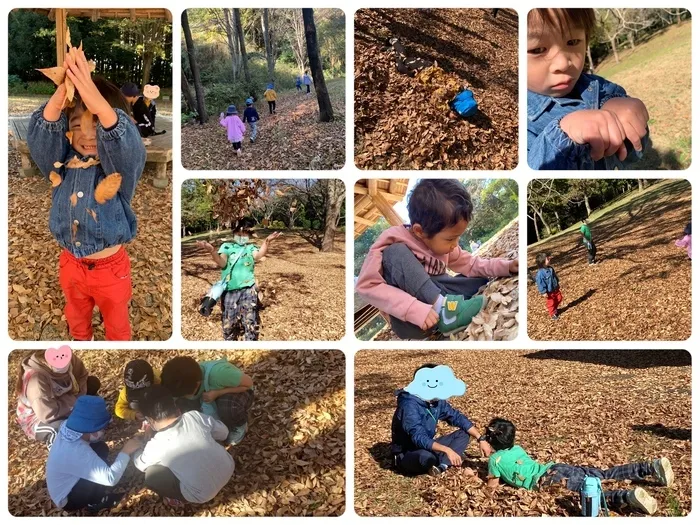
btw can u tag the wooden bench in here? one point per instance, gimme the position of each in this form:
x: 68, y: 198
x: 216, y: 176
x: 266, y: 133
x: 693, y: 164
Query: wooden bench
x: 159, y: 151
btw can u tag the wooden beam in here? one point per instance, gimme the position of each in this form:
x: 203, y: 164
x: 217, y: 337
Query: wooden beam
x: 372, y: 187
x: 385, y: 208
x: 393, y: 185
x: 364, y: 221
x: 60, y: 36
x: 132, y: 15
x: 392, y: 197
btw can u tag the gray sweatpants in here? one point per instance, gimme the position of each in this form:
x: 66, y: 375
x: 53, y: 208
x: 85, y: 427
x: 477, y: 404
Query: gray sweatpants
x: 403, y: 270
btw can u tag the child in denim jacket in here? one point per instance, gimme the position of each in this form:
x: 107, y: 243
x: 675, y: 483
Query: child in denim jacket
x: 93, y: 154
x: 548, y: 284
x: 576, y: 121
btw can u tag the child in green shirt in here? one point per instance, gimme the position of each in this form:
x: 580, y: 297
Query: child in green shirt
x: 511, y: 464
x: 588, y: 242
x: 239, y: 300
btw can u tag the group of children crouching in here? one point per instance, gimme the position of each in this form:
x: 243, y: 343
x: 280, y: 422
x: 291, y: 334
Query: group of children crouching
x: 416, y: 451
x: 188, y: 413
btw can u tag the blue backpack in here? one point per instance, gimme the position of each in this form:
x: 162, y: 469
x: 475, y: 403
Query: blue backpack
x: 464, y: 104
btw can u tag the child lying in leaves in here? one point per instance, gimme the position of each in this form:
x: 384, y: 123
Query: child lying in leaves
x: 83, y: 140
x: 404, y: 64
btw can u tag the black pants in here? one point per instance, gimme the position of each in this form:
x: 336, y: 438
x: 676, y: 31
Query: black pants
x: 272, y: 105
x: 163, y: 482
x: 237, y: 145
x: 308, y: 88
x: 591, y: 249
x: 86, y: 492
x: 420, y: 461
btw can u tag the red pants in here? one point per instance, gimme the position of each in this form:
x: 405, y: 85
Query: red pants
x: 102, y: 282
x: 553, y: 301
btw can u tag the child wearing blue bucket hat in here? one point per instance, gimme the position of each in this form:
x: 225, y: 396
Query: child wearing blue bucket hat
x: 235, y: 128
x: 271, y: 97
x: 77, y: 475
x: 250, y: 115
x: 515, y: 467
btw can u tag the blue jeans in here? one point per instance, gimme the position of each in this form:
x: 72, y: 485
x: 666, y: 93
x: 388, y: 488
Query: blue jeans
x: 420, y: 461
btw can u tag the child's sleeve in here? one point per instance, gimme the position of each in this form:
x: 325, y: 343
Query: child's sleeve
x: 47, y: 141
x: 93, y: 468
x: 609, y: 90
x: 46, y: 409
x: 455, y: 418
x: 122, y: 151
x: 469, y: 265
x: 225, y: 375
x: 413, y: 426
x: 494, y: 472
x: 539, y: 280
x: 149, y: 456
x: 121, y: 408
x: 81, y: 375
x: 554, y: 150
x: 219, y: 431
x: 222, y: 121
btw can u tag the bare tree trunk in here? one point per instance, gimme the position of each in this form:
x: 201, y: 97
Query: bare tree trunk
x: 590, y: 58
x: 265, y: 21
x: 547, y: 228
x: 194, y: 67
x: 556, y: 214
x: 241, y: 43
x: 298, y: 42
x: 228, y: 27
x: 588, y: 206
x: 185, y: 87
x: 630, y: 37
x: 324, y: 100
x: 147, y: 65
x: 537, y: 229
x: 614, y: 48
x: 679, y: 13
x: 334, y: 202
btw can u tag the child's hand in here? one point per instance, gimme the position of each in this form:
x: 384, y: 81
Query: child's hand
x: 513, y: 266
x: 221, y: 115
x: 272, y: 237
x: 203, y: 245
x: 599, y: 128
x: 431, y: 320
x: 455, y: 459
x: 209, y: 397
x: 79, y: 72
x: 485, y: 448
x: 633, y: 115
x: 132, y: 445
x: 53, y: 108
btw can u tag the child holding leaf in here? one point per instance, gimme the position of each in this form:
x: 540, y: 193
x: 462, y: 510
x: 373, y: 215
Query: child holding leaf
x: 84, y: 141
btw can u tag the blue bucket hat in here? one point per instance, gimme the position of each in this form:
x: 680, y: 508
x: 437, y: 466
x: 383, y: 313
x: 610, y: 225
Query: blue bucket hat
x: 249, y: 101
x: 89, y: 414
x: 232, y: 110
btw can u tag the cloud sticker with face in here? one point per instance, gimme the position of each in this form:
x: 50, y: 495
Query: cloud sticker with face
x: 436, y: 383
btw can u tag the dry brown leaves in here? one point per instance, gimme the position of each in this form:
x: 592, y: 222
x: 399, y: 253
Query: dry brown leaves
x: 35, y: 298
x: 293, y: 139
x: 641, y: 288
x: 404, y: 122
x: 303, y: 290
x: 76, y: 162
x: 108, y: 188
x: 291, y: 463
x: 583, y: 407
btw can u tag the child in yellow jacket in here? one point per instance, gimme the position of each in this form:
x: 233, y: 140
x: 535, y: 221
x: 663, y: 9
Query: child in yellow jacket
x: 271, y: 97
x: 138, y: 375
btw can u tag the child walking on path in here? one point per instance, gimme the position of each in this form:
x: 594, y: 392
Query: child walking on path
x: 101, y: 157
x: 405, y: 271
x: 511, y: 464
x: 588, y: 242
x: 307, y: 82
x: 548, y: 285
x: 235, y: 129
x: 297, y: 83
x: 271, y: 97
x: 250, y: 115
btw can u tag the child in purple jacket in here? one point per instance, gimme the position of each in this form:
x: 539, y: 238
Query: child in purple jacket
x: 234, y: 127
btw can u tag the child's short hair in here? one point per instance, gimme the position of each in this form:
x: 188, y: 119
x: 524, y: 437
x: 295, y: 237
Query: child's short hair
x: 111, y: 93
x: 244, y: 223
x: 157, y: 403
x: 540, y: 259
x: 181, y: 375
x: 437, y: 204
x: 138, y: 375
x: 688, y: 229
x: 564, y: 20
x: 500, y: 434
x: 425, y: 365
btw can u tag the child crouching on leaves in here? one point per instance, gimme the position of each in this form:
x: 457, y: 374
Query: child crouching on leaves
x: 512, y: 465
x: 92, y: 153
x: 235, y: 128
x: 405, y: 271
x: 138, y: 375
x: 239, y: 302
x: 548, y: 284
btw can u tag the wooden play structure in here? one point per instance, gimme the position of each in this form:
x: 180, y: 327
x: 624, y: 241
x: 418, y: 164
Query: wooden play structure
x: 375, y: 198
x: 159, y: 148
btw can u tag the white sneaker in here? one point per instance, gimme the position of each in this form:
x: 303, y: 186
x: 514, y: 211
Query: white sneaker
x: 640, y: 500
x: 663, y: 471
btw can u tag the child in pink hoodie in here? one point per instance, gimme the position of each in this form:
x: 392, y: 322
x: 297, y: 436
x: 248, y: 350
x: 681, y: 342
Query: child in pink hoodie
x: 685, y: 242
x: 404, y: 273
x: 234, y: 128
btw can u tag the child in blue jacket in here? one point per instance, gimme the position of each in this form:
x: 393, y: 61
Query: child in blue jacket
x: 548, y: 284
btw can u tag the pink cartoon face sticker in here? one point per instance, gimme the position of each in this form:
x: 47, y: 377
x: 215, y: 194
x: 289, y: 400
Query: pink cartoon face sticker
x: 151, y: 92
x: 59, y: 358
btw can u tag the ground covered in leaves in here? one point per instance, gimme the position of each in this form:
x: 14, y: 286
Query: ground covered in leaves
x: 404, y: 122
x: 303, y: 289
x: 641, y: 288
x: 583, y: 407
x: 291, y: 463
x: 292, y: 139
x: 35, y: 298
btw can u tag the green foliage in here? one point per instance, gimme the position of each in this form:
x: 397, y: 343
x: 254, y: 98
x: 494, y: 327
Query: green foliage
x: 187, y: 117
x: 13, y: 81
x: 365, y: 241
x: 495, y: 205
x: 217, y: 97
x: 32, y: 88
x: 197, y: 206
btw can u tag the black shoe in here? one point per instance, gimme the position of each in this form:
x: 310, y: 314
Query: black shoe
x: 161, y: 132
x: 107, y: 502
x: 555, y: 317
x: 206, y: 306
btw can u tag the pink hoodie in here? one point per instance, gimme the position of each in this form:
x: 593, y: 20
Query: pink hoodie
x: 394, y: 301
x: 234, y: 126
x: 685, y: 242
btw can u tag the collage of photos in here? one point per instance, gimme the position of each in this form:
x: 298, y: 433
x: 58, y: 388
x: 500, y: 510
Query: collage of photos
x: 233, y: 385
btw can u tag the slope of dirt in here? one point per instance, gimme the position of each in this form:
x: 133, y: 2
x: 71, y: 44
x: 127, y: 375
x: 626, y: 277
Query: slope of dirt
x: 36, y: 301
x: 641, y: 288
x: 291, y: 463
x: 404, y: 122
x: 303, y: 289
x: 582, y: 407
x: 291, y: 139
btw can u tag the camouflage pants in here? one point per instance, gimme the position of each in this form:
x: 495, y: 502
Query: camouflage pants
x: 239, y: 313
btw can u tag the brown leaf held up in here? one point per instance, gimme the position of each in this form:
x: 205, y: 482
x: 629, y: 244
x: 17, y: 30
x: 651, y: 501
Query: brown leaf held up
x: 56, y: 74
x: 57, y: 164
x: 86, y: 122
x: 68, y: 38
x: 92, y: 213
x: 92, y: 66
x: 69, y: 136
x: 55, y: 179
x: 108, y: 187
x: 70, y: 91
x: 75, y: 162
x: 73, y: 200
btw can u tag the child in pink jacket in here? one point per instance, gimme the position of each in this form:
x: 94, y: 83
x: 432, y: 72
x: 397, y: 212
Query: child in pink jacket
x: 404, y: 273
x: 234, y: 128
x: 685, y: 242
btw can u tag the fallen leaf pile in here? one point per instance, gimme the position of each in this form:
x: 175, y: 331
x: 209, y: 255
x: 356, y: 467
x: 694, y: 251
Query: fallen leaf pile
x: 303, y: 289
x: 641, y: 288
x: 291, y: 462
x: 35, y: 298
x: 404, y: 122
x: 292, y: 139
x: 582, y: 407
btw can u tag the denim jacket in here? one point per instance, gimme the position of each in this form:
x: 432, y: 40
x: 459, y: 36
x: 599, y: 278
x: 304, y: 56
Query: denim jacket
x: 547, y: 280
x: 86, y: 227
x: 549, y: 148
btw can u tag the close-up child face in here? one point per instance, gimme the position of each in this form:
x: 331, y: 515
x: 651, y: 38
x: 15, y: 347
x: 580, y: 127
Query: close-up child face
x: 83, y: 143
x: 444, y: 241
x: 555, y: 57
